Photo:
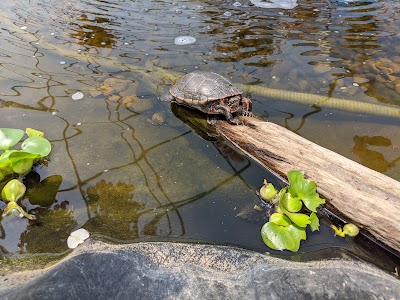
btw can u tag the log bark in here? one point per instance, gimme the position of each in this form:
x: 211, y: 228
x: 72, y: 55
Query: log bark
x: 362, y: 196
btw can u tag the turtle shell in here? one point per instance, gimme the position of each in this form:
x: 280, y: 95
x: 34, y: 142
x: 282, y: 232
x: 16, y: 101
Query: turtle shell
x: 199, y: 89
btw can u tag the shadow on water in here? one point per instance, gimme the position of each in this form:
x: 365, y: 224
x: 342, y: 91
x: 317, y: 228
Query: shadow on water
x: 129, y: 168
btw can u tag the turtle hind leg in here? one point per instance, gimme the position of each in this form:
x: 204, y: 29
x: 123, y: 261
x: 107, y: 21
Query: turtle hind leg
x: 224, y: 110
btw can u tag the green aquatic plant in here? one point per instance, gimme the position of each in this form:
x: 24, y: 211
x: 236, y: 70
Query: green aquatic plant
x: 14, y: 161
x: 348, y: 229
x: 287, y: 226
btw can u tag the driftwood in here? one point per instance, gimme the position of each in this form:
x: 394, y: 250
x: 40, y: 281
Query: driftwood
x: 362, y: 196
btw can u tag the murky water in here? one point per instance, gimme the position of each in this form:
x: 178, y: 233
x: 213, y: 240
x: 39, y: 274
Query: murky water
x: 126, y: 166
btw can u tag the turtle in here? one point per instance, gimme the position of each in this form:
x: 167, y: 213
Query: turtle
x: 210, y: 93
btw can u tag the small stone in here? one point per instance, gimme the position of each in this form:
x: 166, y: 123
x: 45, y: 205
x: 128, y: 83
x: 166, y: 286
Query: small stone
x: 184, y: 40
x: 77, y: 96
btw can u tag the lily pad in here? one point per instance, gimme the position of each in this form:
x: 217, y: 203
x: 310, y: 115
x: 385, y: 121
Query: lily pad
x: 10, y: 137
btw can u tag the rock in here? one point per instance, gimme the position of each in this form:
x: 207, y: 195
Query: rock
x: 96, y: 270
x: 397, y: 88
x: 321, y: 69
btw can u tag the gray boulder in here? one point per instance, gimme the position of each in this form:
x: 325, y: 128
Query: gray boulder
x: 96, y: 270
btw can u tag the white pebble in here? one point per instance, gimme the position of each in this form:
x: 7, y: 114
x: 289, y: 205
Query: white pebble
x: 77, y: 96
x: 184, y: 40
x: 77, y: 237
x: 24, y: 27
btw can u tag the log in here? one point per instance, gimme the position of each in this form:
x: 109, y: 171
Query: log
x: 362, y: 196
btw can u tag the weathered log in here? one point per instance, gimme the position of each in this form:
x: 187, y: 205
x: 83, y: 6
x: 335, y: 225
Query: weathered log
x: 361, y: 195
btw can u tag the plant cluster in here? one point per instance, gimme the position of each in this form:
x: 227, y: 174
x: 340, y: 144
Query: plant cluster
x: 19, y: 161
x: 287, y: 225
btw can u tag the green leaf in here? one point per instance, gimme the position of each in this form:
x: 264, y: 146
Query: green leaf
x: 14, y: 209
x: 37, y: 145
x: 22, y: 166
x: 280, y: 237
x: 33, y: 132
x: 268, y: 191
x: 301, y: 220
x: 10, y: 137
x: 13, y: 191
x: 292, y: 204
x: 305, y: 189
x: 5, y: 163
x: 351, y: 230
x: 21, y: 161
x: 280, y: 219
x: 20, y: 155
x: 314, y: 222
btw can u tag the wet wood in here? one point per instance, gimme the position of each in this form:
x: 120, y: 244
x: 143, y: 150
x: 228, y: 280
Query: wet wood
x: 362, y: 196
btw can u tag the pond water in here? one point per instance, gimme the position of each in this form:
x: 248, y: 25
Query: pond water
x: 128, y: 167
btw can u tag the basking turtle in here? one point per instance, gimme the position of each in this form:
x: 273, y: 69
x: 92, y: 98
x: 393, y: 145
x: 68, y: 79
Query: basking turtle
x: 210, y: 93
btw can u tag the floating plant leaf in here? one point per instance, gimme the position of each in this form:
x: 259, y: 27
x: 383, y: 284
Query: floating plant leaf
x: 282, y: 237
x: 301, y: 220
x: 33, y: 132
x: 338, y: 231
x: 13, y: 191
x: 280, y: 219
x: 14, y: 209
x: 37, y: 145
x: 5, y: 163
x: 305, y: 189
x: 351, y: 230
x: 292, y: 204
x: 77, y: 237
x: 20, y: 155
x: 314, y: 221
x: 22, y: 166
x: 21, y: 161
x: 10, y: 137
x: 268, y: 191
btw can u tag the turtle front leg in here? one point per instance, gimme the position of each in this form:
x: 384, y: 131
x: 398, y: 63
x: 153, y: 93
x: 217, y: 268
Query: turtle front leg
x: 221, y: 109
x: 246, y: 107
